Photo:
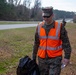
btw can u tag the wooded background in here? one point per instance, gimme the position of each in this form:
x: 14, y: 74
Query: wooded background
x: 15, y: 10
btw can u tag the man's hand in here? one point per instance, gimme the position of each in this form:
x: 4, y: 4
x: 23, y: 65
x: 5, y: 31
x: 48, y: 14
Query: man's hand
x: 65, y: 61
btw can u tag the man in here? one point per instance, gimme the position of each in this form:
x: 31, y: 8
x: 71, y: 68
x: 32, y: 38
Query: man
x: 50, y: 39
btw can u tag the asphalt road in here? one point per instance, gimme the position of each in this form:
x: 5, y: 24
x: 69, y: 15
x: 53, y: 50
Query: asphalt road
x: 13, y: 26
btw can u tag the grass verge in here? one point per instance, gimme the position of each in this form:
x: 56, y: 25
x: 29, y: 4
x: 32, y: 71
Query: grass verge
x: 14, y: 44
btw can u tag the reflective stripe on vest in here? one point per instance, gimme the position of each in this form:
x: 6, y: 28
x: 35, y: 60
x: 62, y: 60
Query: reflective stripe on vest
x: 50, y: 37
x: 50, y: 48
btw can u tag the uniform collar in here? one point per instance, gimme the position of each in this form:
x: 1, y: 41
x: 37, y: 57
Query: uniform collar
x: 52, y: 24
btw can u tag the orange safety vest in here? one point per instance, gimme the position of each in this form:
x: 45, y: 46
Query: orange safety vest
x: 50, y: 45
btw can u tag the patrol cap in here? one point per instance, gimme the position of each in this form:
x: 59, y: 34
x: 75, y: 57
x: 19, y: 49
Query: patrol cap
x: 47, y: 11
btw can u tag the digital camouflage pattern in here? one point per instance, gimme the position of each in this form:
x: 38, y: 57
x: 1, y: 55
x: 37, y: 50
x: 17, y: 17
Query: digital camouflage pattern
x: 50, y: 66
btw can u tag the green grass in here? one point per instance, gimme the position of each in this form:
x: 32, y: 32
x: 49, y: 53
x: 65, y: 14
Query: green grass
x: 16, y: 43
x: 18, y: 22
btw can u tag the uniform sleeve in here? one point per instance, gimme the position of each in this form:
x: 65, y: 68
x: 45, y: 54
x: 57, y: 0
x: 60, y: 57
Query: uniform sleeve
x: 65, y: 43
x: 36, y: 44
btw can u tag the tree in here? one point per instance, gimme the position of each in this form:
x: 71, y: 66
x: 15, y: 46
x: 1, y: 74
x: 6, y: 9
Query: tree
x: 22, y: 13
x: 61, y: 14
x: 27, y: 3
x: 36, y: 9
x: 14, y: 2
x: 3, y: 9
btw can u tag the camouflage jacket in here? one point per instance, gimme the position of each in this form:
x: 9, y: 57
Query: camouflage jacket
x: 63, y: 36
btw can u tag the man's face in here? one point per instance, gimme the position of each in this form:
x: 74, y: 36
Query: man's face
x: 48, y: 19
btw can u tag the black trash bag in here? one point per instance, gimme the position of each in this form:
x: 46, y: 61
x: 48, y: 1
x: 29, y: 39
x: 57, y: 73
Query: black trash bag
x: 27, y: 66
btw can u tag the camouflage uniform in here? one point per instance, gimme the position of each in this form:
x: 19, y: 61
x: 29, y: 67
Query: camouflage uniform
x: 52, y: 66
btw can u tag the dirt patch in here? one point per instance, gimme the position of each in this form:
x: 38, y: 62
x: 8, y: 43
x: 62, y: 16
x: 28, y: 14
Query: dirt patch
x: 5, y: 53
x: 69, y: 70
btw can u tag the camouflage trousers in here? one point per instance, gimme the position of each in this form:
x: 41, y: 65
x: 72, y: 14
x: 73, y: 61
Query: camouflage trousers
x: 50, y: 66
